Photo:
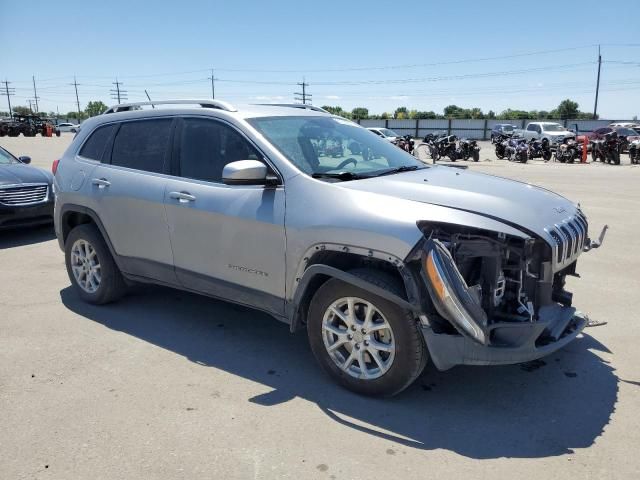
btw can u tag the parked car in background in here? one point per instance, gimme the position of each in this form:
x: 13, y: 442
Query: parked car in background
x: 626, y: 135
x: 26, y: 192
x: 501, y: 129
x: 386, y: 262
x: 69, y: 127
x: 633, y: 125
x: 552, y: 131
x: 385, y: 133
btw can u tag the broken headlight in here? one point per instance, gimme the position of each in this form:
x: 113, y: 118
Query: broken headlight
x: 451, y: 296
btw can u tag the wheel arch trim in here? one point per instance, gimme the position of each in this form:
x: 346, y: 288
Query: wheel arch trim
x: 320, y: 270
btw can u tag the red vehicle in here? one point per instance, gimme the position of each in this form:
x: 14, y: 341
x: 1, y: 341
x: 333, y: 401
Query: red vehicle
x: 626, y: 135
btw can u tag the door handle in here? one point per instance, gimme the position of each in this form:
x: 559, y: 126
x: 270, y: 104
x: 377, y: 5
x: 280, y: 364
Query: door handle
x: 101, y: 182
x: 182, y: 197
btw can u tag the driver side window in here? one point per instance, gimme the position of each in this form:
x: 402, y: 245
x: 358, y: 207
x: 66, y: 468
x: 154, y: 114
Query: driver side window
x: 206, y: 146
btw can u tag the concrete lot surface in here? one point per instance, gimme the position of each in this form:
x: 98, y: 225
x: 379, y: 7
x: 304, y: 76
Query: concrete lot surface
x: 169, y: 385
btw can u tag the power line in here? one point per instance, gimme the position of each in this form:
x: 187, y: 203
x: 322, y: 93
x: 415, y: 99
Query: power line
x: 35, y: 92
x: 117, y: 93
x: 595, y: 105
x: 213, y: 88
x: 303, y: 96
x: 75, y: 84
x: 9, y: 92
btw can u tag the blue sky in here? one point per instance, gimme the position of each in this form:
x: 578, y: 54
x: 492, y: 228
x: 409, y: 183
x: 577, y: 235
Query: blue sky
x: 375, y: 54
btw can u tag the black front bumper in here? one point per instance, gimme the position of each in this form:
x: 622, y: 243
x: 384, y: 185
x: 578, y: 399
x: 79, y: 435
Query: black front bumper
x: 26, y: 215
x: 529, y: 343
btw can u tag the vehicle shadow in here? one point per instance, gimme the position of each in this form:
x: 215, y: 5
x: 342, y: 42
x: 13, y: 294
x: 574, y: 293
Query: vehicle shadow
x: 543, y: 408
x: 26, y: 236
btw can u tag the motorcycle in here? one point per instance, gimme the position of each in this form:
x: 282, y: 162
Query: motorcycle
x: 607, y: 149
x: 517, y: 150
x: 406, y: 143
x: 540, y: 149
x: 501, y: 142
x: 567, y: 151
x: 634, y: 152
x: 468, y: 148
x: 447, y: 147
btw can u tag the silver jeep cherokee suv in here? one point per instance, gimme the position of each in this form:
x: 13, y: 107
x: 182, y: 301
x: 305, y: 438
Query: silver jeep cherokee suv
x: 385, y: 260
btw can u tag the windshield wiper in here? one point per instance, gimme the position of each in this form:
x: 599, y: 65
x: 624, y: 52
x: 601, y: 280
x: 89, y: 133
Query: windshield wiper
x: 339, y: 175
x: 404, y: 168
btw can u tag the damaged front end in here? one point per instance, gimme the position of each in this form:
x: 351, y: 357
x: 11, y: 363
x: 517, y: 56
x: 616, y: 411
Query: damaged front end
x: 496, y: 299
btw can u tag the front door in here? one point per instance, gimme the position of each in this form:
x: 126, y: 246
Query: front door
x: 228, y: 241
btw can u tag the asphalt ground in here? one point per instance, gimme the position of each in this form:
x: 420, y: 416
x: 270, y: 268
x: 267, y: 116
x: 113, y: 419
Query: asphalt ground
x: 170, y: 385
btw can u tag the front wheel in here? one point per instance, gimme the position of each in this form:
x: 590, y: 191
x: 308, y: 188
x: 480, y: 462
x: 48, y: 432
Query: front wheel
x: 90, y: 266
x: 365, y: 343
x: 476, y: 156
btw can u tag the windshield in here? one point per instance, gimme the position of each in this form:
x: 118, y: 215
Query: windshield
x: 6, y: 158
x: 626, y: 132
x: 324, y: 145
x: 388, y: 133
x: 507, y: 128
x: 553, y: 128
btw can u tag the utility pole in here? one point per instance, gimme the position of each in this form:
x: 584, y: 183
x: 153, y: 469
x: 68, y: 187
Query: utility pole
x: 75, y: 84
x: 30, y: 105
x: 595, y: 106
x: 304, y: 96
x: 117, y: 93
x: 213, y: 87
x: 8, y: 92
x: 35, y: 93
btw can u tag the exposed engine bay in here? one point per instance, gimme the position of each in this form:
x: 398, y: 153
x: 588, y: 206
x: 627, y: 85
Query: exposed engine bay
x: 493, y: 288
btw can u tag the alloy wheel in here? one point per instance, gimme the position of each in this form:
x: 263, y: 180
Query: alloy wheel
x: 358, y: 338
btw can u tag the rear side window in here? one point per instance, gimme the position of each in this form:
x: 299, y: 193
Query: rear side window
x: 94, y: 147
x: 207, y: 146
x: 142, y: 144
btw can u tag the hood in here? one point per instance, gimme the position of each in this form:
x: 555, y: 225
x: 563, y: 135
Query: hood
x: 21, y: 173
x: 523, y: 206
x: 560, y: 134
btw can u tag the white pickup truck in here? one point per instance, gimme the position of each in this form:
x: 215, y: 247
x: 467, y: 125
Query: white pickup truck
x: 554, y: 132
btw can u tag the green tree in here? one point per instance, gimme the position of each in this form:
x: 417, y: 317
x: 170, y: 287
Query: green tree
x: 360, y: 112
x: 425, y: 115
x: 567, y: 109
x: 401, y: 112
x: 95, y: 108
x: 20, y: 110
x: 491, y: 115
x: 385, y: 116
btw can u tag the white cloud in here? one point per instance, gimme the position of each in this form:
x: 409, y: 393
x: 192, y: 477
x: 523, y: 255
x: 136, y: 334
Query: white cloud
x: 399, y: 97
x: 264, y: 98
x: 332, y: 97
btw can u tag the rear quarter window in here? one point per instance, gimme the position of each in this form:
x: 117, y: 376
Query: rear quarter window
x: 95, y: 145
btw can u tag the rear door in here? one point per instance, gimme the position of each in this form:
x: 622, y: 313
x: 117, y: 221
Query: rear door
x: 228, y: 240
x: 129, y: 186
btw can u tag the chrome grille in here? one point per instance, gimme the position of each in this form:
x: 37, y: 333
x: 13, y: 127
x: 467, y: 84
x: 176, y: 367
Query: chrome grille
x: 23, y: 194
x: 569, y: 237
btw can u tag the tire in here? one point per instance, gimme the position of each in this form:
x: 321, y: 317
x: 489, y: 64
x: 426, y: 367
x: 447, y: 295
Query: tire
x: 616, y: 158
x: 410, y: 352
x: 546, y: 156
x: 111, y: 285
x: 73, y: 130
x: 476, y: 156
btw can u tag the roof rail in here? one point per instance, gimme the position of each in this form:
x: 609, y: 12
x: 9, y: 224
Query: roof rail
x: 304, y: 106
x: 125, y: 107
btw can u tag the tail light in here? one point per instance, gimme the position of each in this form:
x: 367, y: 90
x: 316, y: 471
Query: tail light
x: 54, y: 166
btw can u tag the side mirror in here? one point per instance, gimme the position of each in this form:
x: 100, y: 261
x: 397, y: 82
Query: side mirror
x: 246, y: 172
x: 25, y: 159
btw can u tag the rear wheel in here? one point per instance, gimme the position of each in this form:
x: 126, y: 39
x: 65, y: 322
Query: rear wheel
x: 364, y: 342
x: 90, y: 266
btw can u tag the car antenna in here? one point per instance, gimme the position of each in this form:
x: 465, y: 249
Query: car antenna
x: 147, y: 94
